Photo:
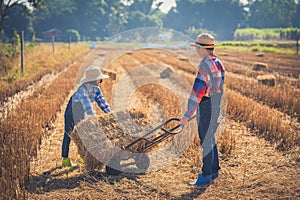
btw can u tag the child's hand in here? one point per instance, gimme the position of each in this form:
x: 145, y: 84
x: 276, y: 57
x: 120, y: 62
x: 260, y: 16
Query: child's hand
x: 184, y: 120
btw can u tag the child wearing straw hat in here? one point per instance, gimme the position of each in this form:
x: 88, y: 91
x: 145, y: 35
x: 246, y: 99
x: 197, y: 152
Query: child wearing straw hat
x: 80, y: 104
x: 205, y: 99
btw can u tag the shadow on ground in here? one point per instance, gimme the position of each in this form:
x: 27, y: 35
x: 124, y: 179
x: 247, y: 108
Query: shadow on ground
x: 193, y: 194
x: 59, y: 178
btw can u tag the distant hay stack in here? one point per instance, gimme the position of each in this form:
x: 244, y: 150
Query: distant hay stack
x: 224, y: 54
x: 259, y: 55
x: 183, y: 59
x: 166, y: 73
x: 260, y: 66
x: 111, y: 74
x: 267, y: 79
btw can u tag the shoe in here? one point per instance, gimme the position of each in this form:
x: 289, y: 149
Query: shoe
x: 81, y: 161
x: 66, y: 162
x: 202, y: 180
x: 214, y: 175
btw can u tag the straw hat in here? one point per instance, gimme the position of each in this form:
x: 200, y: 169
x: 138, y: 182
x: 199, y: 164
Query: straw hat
x: 93, y: 73
x: 204, y: 40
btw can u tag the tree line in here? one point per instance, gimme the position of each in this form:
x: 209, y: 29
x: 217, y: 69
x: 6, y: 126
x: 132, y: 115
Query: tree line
x: 98, y: 19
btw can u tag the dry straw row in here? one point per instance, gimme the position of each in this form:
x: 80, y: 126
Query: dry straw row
x: 248, y: 72
x: 21, y: 132
x: 265, y: 120
x: 269, y: 123
x: 178, y: 62
x: 20, y: 136
x: 37, y: 65
x: 288, y: 101
x: 285, y: 65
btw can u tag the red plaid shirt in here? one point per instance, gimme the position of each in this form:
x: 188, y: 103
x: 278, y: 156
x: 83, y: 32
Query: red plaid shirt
x: 203, y: 85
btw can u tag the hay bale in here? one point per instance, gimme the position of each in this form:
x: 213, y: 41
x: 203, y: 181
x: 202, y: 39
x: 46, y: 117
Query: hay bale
x: 166, y: 73
x: 102, y: 54
x: 183, y: 59
x: 266, y: 79
x: 111, y: 74
x: 180, y: 52
x: 224, y: 54
x: 260, y: 66
x: 259, y: 55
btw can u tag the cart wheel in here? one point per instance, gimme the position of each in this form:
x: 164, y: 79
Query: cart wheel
x: 112, y: 171
x: 142, y: 162
x: 113, y: 166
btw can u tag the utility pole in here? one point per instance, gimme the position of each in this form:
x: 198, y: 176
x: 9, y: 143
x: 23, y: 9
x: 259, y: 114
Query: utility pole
x: 297, y: 44
x: 53, y: 46
x: 22, y: 52
x: 69, y: 42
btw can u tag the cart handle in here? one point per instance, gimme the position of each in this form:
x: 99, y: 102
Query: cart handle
x: 180, y: 126
x: 171, y: 131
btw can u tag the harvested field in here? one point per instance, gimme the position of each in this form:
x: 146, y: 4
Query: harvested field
x: 259, y: 159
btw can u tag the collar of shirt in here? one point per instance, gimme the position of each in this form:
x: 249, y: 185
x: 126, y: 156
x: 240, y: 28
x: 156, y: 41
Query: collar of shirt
x: 89, y: 87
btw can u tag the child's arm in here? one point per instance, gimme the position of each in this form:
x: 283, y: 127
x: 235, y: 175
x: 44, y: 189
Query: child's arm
x: 197, y: 92
x: 101, y: 101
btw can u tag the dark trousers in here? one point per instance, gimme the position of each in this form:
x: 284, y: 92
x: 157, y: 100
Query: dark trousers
x: 73, y: 114
x: 208, y: 112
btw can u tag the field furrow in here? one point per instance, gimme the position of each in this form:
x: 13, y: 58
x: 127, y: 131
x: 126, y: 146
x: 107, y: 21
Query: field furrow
x: 259, y: 144
x: 283, y: 64
x: 282, y: 97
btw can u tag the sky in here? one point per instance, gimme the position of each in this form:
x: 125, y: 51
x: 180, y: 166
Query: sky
x: 167, y: 5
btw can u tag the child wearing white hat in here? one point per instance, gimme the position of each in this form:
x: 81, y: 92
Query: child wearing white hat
x: 80, y: 104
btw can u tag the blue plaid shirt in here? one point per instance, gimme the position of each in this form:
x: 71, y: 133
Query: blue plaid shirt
x: 87, y: 94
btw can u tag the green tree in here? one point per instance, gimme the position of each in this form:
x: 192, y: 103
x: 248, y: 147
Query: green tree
x: 73, y: 35
x: 85, y: 18
x: 296, y: 21
x: 54, y: 14
x: 223, y: 17
x: 7, y: 5
x: 15, y: 43
x: 136, y: 14
x: 192, y: 32
x: 186, y: 14
x: 113, y: 17
x: 138, y: 19
x: 92, y: 19
x: 271, y: 13
x: 219, y: 16
x: 16, y: 20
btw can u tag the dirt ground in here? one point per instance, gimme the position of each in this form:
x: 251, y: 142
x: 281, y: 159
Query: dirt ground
x: 254, y: 169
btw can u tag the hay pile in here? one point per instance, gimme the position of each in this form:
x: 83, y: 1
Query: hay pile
x: 259, y: 55
x: 166, y: 73
x: 100, y: 138
x: 260, y: 66
x: 267, y: 79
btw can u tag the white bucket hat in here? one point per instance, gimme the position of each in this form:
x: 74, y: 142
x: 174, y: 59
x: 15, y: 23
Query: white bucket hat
x: 204, y: 40
x: 93, y: 73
